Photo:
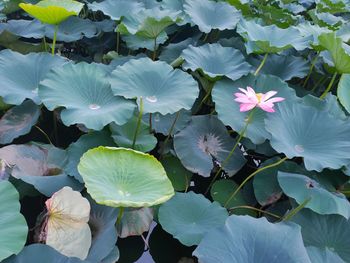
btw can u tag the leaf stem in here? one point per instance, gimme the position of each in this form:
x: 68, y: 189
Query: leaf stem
x: 324, y: 94
x: 241, y: 134
x: 45, y: 134
x: 120, y: 215
x: 311, y: 69
x: 206, y: 95
x: 261, y: 65
x: 54, y: 40
x: 252, y: 175
x: 169, y: 132
x: 255, y: 209
x: 154, y: 49
x: 138, y: 124
x: 118, y: 41
x: 292, y: 213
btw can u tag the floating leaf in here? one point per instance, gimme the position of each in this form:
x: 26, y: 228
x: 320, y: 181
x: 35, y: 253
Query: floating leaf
x: 209, y: 15
x: 228, y: 109
x: 86, y: 95
x: 244, y: 239
x: 15, y: 87
x: 214, y: 60
x: 13, y: 226
x: 162, y: 88
x: 297, y: 130
x: 41, y: 166
x: 53, y: 12
x: 198, y: 215
x: 65, y: 228
x: 18, y: 121
x: 120, y: 177
x: 205, y: 142
x: 344, y: 91
x: 322, y: 201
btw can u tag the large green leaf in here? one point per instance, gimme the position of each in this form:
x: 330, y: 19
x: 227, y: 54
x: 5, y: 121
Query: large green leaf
x: 205, y: 141
x: 21, y: 74
x: 18, y: 121
x: 343, y: 92
x: 209, y: 15
x: 244, y: 239
x: 228, y: 109
x: 214, y: 60
x: 13, y: 226
x: 162, y: 88
x: 120, y: 177
x: 86, y: 95
x: 53, y: 11
x: 315, y: 135
x: 326, y: 235
x: 334, y: 45
x: 322, y: 201
x: 198, y: 215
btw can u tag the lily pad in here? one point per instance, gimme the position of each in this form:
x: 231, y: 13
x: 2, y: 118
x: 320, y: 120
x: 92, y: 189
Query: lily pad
x: 214, y: 60
x: 15, y: 87
x: 198, y: 215
x: 53, y: 12
x: 228, y: 109
x: 124, y: 135
x: 297, y: 130
x: 162, y: 88
x: 40, y: 166
x: 116, y: 10
x: 326, y: 236
x: 86, y: 142
x: 322, y: 201
x: 270, y: 39
x: 13, y: 226
x: 135, y: 222
x: 344, y: 91
x: 86, y: 95
x: 120, y: 177
x: 244, y: 239
x: 205, y: 142
x: 209, y: 15
x: 18, y: 121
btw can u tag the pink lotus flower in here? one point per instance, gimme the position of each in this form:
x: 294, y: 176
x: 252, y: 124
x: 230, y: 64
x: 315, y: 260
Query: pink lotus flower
x: 248, y: 100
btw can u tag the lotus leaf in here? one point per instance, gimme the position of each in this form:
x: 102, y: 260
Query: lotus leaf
x: 344, y: 91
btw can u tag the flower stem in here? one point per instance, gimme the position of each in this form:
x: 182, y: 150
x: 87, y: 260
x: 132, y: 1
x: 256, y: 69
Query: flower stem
x: 311, y: 69
x: 324, y: 94
x: 54, y: 40
x: 255, y: 209
x: 261, y: 65
x: 252, y: 175
x: 292, y: 213
x: 241, y: 134
x: 138, y: 124
x: 120, y: 215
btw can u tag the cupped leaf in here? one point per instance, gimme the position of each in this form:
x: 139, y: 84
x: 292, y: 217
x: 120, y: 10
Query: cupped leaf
x: 228, y: 109
x: 325, y: 236
x: 65, y: 227
x: 198, y: 215
x: 209, y: 15
x: 124, y: 135
x: 322, y: 201
x: 21, y: 74
x: 41, y: 253
x: 86, y: 142
x: 244, y: 239
x: 24, y: 28
x: 205, y: 142
x: 53, y: 12
x: 214, y: 60
x: 116, y: 10
x: 270, y: 39
x: 343, y: 92
x: 335, y: 46
x: 120, y: 177
x: 86, y: 95
x: 13, y: 226
x: 162, y: 88
x: 39, y: 165
x: 297, y: 130
x: 135, y: 222
x: 177, y: 5
x: 18, y: 121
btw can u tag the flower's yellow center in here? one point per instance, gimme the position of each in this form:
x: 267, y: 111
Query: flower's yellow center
x: 259, y: 96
